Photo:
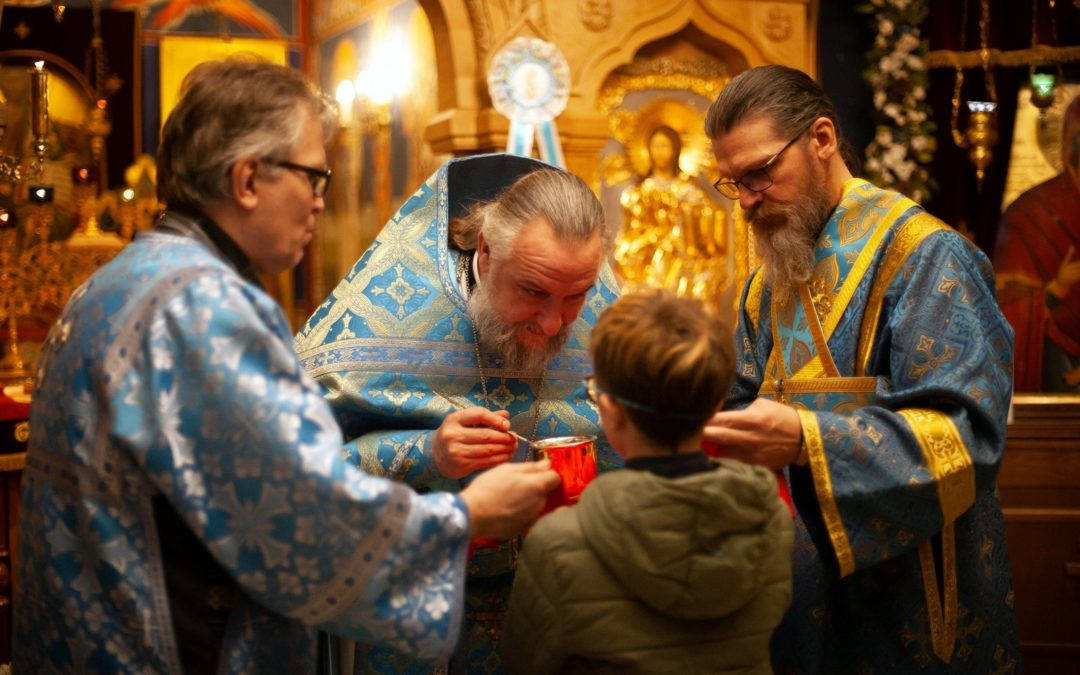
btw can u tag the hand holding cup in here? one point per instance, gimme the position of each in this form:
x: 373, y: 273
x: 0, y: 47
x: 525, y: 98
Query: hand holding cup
x: 506, y: 499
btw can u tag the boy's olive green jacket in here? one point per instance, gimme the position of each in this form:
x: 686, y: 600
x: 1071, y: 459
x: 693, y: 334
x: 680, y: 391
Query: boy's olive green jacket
x: 654, y: 575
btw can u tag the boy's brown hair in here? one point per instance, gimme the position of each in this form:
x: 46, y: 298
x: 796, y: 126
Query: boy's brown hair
x: 665, y: 359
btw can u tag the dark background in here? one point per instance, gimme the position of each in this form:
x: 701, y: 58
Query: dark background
x: 844, y: 38
x: 70, y: 39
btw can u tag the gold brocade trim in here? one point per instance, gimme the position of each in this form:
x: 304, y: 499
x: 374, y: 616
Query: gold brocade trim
x: 854, y: 183
x: 946, y: 457
x: 776, y: 355
x: 770, y: 365
x: 812, y: 369
x: 830, y: 514
x: 862, y: 264
x: 753, y: 298
x: 911, y: 234
x: 823, y: 385
x: 777, y: 349
x: 814, y: 323
x: 942, y: 625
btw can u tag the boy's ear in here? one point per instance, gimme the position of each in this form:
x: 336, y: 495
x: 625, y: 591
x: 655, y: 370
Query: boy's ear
x: 614, y: 413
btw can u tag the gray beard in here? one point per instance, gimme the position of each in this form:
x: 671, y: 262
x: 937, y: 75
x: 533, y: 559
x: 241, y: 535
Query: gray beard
x: 497, y: 336
x: 785, y: 236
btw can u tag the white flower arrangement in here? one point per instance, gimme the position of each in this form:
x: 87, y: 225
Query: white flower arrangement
x: 903, y: 147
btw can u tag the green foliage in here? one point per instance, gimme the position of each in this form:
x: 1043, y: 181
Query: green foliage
x: 903, y: 147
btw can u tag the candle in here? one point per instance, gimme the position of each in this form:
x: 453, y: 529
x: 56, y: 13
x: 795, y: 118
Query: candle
x: 39, y: 99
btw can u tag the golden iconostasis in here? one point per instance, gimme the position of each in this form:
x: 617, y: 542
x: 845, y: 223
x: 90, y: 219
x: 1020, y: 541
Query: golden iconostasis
x: 410, y: 78
x: 411, y: 81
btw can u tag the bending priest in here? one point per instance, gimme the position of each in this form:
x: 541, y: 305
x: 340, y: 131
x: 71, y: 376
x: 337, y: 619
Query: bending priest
x: 472, y: 307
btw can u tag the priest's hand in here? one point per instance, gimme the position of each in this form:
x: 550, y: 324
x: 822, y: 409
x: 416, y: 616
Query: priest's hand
x: 472, y: 439
x: 504, y: 500
x: 765, y: 432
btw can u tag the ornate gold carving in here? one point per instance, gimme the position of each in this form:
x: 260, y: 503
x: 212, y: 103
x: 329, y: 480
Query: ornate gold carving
x: 778, y: 24
x: 39, y: 273
x: 704, y: 76
x: 331, y: 16
x: 633, y: 128
x: 496, y: 22
x: 697, y: 243
x: 481, y: 23
x: 674, y: 237
x: 22, y: 431
x: 595, y: 14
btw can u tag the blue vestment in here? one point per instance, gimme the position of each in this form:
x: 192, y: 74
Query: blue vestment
x: 394, y: 347
x: 171, y: 412
x: 899, y: 363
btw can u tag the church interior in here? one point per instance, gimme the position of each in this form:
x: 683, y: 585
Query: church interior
x: 959, y: 105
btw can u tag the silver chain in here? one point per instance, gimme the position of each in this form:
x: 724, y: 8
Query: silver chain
x: 487, y: 396
x: 484, y: 385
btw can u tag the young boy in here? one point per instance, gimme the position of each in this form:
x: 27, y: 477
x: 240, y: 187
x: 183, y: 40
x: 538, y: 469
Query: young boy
x: 677, y: 563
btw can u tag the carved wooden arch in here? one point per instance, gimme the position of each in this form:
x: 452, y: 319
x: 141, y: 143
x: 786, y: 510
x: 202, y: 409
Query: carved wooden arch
x: 455, y: 52
x: 663, y: 22
x: 465, y: 34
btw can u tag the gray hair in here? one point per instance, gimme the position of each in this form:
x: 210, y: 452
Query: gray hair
x: 228, y: 110
x: 788, y: 97
x: 560, y: 197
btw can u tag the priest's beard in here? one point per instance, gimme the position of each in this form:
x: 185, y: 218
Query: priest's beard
x: 785, y: 234
x: 500, y: 337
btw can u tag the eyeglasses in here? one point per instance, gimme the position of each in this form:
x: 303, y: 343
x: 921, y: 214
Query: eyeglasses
x: 319, y: 178
x: 755, y: 180
x: 593, y: 392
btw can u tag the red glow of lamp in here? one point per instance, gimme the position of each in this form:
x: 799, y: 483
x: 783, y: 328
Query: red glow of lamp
x: 83, y: 175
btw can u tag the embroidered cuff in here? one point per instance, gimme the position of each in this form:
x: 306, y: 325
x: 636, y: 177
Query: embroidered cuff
x: 803, y: 457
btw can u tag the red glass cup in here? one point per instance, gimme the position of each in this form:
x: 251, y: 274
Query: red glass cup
x: 714, y: 450
x: 574, y: 459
